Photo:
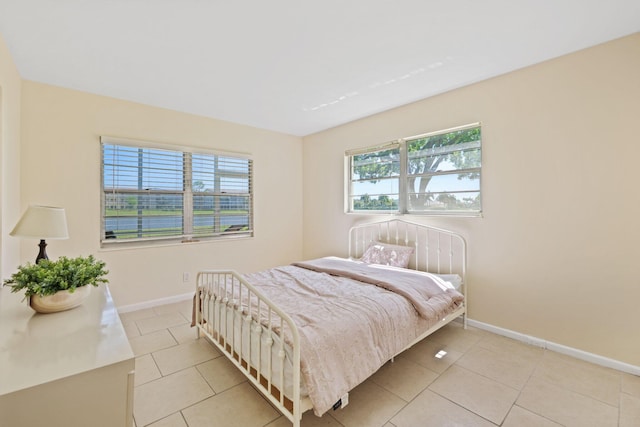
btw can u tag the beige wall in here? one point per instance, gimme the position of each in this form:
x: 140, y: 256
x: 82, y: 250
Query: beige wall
x: 10, y: 87
x: 555, y: 254
x: 61, y: 167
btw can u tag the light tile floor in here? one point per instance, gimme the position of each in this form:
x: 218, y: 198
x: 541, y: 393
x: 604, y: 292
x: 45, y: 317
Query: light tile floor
x: 484, y: 380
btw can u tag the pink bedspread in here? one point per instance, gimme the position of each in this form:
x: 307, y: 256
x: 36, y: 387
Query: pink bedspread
x: 349, y: 328
x: 431, y: 296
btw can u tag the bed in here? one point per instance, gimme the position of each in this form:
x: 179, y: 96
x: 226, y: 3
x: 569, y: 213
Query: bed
x: 305, y: 334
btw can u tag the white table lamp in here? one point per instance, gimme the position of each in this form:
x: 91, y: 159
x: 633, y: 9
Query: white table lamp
x: 42, y: 222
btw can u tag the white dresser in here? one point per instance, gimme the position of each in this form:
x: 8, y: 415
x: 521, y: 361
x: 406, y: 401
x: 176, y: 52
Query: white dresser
x: 73, y: 368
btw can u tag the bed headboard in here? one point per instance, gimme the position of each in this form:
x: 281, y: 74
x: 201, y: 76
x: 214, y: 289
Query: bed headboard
x: 435, y: 250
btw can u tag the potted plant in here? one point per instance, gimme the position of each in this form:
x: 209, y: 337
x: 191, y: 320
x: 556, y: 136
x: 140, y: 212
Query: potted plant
x: 58, y: 285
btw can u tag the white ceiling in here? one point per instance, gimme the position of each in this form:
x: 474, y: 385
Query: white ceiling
x: 295, y: 66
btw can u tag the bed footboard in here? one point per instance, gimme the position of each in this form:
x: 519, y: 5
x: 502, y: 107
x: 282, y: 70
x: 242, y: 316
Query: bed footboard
x: 250, y: 330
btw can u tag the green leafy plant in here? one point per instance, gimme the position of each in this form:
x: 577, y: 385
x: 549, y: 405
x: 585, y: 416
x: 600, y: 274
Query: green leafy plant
x: 48, y: 277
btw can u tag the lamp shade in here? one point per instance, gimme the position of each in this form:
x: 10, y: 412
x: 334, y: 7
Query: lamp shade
x: 42, y: 222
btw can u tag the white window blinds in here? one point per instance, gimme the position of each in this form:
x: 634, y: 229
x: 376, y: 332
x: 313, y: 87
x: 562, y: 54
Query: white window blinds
x: 157, y: 193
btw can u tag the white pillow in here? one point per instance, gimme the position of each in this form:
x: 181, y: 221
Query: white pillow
x: 387, y: 254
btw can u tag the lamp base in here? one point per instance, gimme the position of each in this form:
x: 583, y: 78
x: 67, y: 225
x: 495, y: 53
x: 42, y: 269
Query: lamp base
x: 43, y: 253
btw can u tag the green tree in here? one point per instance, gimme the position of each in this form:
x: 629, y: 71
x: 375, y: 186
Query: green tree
x: 378, y: 164
x: 132, y: 202
x: 386, y: 203
x: 198, y: 186
x: 421, y: 164
x: 449, y: 201
x: 425, y: 157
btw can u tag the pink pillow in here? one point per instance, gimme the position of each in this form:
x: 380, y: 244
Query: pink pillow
x: 387, y: 254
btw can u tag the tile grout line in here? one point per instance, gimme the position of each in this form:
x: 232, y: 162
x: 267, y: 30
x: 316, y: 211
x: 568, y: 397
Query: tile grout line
x: 485, y: 377
x: 531, y: 375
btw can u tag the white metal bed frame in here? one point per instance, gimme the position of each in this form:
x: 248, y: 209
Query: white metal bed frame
x: 220, y: 317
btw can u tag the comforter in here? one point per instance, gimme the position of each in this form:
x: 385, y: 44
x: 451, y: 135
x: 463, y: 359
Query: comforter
x: 352, y: 317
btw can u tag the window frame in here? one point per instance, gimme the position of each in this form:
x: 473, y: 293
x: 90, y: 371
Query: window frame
x: 188, y: 193
x: 404, y: 176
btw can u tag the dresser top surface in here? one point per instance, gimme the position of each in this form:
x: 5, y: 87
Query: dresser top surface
x: 39, y: 348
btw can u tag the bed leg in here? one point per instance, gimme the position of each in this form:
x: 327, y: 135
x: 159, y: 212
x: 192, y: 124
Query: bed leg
x: 464, y: 321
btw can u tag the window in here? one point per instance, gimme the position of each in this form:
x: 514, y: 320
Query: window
x: 152, y: 193
x: 434, y: 173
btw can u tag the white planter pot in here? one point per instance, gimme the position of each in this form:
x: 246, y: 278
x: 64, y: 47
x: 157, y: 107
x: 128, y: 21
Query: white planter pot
x: 60, y: 301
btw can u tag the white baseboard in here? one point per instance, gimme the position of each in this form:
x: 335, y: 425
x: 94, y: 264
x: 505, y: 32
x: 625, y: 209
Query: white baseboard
x: 155, y: 303
x: 558, y: 348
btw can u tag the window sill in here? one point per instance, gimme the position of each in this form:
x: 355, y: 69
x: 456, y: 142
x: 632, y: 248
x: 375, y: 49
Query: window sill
x: 421, y: 215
